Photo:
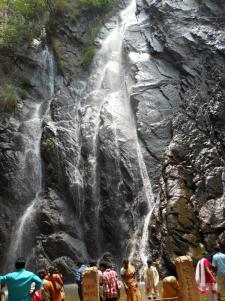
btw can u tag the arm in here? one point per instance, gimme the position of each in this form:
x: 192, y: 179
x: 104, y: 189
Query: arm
x: 210, y: 273
x: 3, y: 280
x: 214, y: 264
x: 59, y: 280
x: 77, y: 276
x: 38, y: 282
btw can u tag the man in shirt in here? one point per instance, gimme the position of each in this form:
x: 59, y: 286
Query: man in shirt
x: 218, y: 264
x: 78, y: 277
x: 19, y: 282
x: 110, y: 283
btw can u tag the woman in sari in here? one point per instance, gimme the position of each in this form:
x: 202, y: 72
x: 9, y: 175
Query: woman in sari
x: 128, y: 275
x: 205, y: 278
x: 57, y: 284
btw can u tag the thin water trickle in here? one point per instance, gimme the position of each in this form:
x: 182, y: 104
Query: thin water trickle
x: 32, y: 133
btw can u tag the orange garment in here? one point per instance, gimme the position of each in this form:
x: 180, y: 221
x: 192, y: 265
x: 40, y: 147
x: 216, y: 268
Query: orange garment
x: 130, y: 283
x: 170, y: 287
x: 48, y: 290
x: 57, y: 293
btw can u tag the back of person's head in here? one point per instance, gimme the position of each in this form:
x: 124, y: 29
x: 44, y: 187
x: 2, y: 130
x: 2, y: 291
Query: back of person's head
x: 79, y: 263
x: 93, y: 263
x: 20, y: 263
x: 41, y: 274
x: 125, y: 263
x: 104, y: 264
x: 51, y: 270
x: 56, y: 270
x: 149, y: 262
x: 217, y: 249
x: 206, y: 255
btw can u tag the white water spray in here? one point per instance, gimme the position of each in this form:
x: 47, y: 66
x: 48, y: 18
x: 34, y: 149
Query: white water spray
x: 32, y: 133
x: 109, y: 90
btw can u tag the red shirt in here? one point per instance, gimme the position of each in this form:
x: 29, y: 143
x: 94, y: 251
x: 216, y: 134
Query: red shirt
x: 110, y: 283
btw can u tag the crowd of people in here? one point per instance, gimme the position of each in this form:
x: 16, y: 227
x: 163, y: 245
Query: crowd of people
x: 24, y: 285
x: 110, y: 285
x: 210, y: 275
x: 48, y: 285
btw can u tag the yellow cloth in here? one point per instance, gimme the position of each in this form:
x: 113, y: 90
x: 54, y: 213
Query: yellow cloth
x: 151, y: 279
x: 170, y: 287
x: 130, y: 283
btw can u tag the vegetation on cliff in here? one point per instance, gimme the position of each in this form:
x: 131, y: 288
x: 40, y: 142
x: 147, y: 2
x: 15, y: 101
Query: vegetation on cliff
x: 23, y: 20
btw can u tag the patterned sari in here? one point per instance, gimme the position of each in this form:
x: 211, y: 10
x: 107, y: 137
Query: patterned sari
x: 130, y: 283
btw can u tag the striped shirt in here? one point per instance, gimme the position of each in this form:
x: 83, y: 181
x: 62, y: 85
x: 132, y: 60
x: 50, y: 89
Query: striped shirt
x: 111, y: 284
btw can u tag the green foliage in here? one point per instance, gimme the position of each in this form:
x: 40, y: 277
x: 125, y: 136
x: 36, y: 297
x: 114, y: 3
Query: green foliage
x: 25, y: 80
x: 88, y: 55
x: 21, y: 21
x: 49, y: 145
x: 94, y: 31
x: 59, y: 6
x: 56, y: 47
x: 8, y: 98
x: 100, y: 5
x: 23, y: 94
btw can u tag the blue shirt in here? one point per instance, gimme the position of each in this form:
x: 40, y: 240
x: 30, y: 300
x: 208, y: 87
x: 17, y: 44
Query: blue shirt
x: 219, y: 263
x: 19, y: 284
x: 78, y: 273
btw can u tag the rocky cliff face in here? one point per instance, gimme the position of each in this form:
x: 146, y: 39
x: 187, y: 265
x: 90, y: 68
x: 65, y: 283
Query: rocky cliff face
x: 77, y: 167
x: 190, y: 36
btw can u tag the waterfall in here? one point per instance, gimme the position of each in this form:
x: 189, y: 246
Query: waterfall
x: 109, y: 90
x: 32, y: 133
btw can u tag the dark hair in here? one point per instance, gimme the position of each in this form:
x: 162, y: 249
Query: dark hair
x: 217, y: 249
x: 93, y: 263
x: 125, y: 260
x: 104, y: 264
x: 41, y: 274
x: 51, y: 270
x: 79, y: 263
x: 20, y: 263
x: 149, y: 261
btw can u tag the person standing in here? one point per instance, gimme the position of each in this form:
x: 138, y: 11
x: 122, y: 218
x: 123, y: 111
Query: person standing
x: 57, y: 272
x: 128, y: 275
x: 110, y: 282
x: 78, y: 277
x: 151, y: 279
x: 48, y: 289
x: 19, y: 282
x: 218, y: 264
x: 205, y: 278
x: 56, y: 282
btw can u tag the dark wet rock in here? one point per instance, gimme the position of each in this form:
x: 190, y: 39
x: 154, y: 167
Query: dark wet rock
x: 175, y: 62
x: 187, y: 35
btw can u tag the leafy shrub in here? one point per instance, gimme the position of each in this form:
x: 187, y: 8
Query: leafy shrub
x: 94, y: 31
x: 24, y: 22
x: 88, y: 55
x: 23, y: 94
x: 8, y: 98
x: 56, y: 47
x: 100, y: 5
x: 49, y: 145
x: 25, y: 80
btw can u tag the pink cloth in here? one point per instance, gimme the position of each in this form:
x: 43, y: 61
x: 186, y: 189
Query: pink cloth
x: 206, y: 283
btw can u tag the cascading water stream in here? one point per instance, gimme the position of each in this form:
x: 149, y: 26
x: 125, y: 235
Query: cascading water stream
x: 32, y: 133
x: 109, y: 91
